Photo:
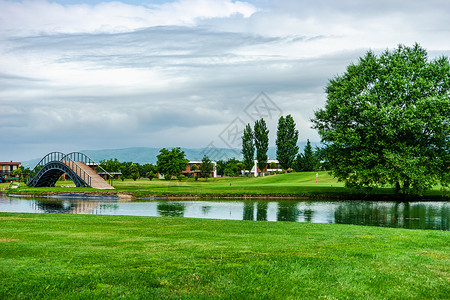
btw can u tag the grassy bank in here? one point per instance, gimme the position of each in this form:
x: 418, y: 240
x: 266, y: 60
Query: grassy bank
x: 294, y: 184
x: 85, y: 256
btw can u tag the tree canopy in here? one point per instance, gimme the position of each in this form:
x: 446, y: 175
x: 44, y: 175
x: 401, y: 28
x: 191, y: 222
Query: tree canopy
x: 171, y: 162
x: 286, y: 142
x: 387, y: 121
x: 206, y: 167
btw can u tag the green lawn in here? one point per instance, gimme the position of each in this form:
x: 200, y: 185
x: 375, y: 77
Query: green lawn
x: 294, y: 184
x: 85, y: 256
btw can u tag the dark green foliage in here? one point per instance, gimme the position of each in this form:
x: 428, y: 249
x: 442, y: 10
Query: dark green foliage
x: 111, y: 165
x: 233, y: 167
x: 146, y: 168
x: 206, y: 167
x: 306, y: 161
x: 125, y: 169
x: 286, y: 142
x: 150, y: 175
x: 248, y: 147
x: 134, y: 169
x: 261, y: 136
x: 387, y: 121
x: 220, y: 167
x: 171, y: 162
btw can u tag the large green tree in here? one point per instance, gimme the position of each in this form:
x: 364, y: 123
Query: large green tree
x: 248, y: 147
x: 287, y: 137
x: 261, y: 138
x: 171, y: 162
x: 387, y: 121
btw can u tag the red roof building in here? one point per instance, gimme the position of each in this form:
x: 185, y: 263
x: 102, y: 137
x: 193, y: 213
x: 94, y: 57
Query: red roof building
x: 6, y: 168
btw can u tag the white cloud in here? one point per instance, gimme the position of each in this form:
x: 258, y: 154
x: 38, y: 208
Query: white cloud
x: 41, y: 17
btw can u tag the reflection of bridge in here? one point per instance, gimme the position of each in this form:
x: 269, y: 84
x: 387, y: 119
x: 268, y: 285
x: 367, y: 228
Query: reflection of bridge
x: 76, y: 165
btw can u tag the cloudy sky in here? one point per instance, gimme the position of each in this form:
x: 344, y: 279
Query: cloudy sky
x: 97, y: 74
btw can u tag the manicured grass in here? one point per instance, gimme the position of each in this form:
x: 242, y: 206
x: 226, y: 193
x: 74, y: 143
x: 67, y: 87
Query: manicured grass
x: 85, y: 256
x: 293, y: 184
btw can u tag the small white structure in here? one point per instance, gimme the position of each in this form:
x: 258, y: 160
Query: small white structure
x: 257, y: 172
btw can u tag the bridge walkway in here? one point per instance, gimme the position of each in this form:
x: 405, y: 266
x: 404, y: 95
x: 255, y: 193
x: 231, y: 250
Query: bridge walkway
x: 97, y: 182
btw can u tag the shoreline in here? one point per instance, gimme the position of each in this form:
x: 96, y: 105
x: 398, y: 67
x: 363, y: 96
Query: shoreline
x: 131, y: 196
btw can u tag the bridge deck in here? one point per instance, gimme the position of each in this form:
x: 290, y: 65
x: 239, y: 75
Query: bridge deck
x: 97, y: 182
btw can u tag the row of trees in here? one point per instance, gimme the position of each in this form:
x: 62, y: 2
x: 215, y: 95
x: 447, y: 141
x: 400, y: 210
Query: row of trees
x: 171, y: 163
x: 129, y: 169
x: 286, y: 142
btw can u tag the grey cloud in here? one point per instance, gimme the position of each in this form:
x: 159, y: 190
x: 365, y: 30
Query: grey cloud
x: 212, y: 73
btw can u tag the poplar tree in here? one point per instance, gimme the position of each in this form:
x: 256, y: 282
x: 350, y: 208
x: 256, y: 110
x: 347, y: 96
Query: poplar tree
x: 286, y: 142
x: 261, y: 137
x: 248, y: 147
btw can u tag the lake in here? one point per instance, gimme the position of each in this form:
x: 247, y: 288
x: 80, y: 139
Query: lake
x: 411, y: 215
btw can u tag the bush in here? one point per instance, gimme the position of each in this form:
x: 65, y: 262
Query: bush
x: 151, y: 175
x: 180, y: 177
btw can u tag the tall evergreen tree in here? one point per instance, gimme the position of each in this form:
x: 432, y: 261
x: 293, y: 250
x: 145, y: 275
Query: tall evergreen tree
x: 286, y: 142
x: 261, y: 136
x: 248, y: 148
x: 307, y: 161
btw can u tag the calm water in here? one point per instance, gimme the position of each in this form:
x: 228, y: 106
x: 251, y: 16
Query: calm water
x: 413, y: 215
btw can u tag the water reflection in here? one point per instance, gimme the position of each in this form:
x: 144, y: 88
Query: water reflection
x: 423, y: 215
x: 261, y: 211
x: 288, y: 211
x: 399, y: 214
x: 170, y: 209
x: 249, y: 211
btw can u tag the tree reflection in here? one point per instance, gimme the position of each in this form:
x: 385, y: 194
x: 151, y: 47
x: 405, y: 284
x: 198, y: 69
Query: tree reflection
x: 261, y: 211
x: 288, y: 211
x: 249, y: 211
x: 398, y: 214
x: 308, y: 213
x: 166, y: 209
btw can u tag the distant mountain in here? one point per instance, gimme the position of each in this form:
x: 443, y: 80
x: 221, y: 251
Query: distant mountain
x: 143, y: 155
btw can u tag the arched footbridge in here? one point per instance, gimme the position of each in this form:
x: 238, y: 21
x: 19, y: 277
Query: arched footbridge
x: 76, y: 165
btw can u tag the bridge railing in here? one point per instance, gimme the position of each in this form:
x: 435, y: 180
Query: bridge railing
x: 81, y: 157
x: 52, y: 156
x: 66, y: 159
x: 78, y: 170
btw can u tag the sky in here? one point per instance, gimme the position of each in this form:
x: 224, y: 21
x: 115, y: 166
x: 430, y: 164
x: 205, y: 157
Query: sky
x: 191, y: 73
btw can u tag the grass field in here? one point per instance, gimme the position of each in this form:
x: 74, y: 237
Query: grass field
x: 293, y: 184
x: 85, y: 256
